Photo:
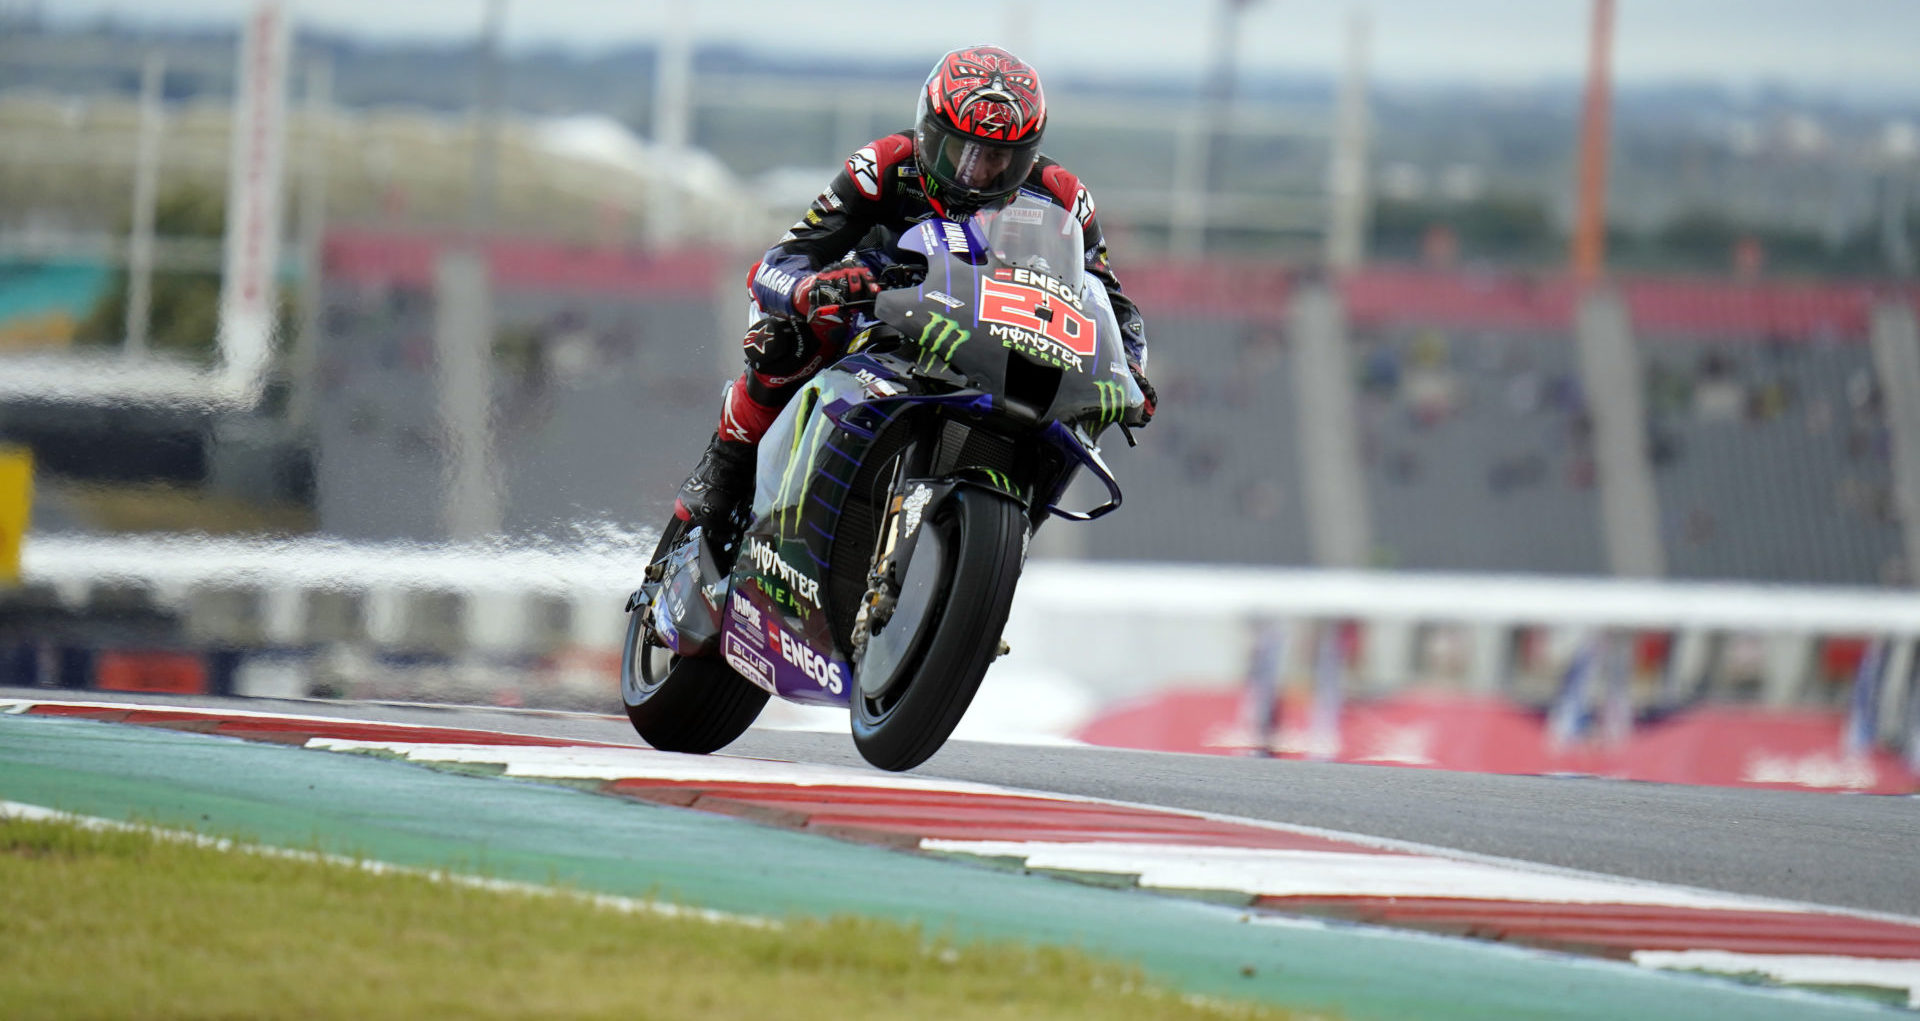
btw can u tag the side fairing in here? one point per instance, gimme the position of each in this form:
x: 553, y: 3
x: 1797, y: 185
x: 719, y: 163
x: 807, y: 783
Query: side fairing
x: 1103, y: 394
x: 778, y: 631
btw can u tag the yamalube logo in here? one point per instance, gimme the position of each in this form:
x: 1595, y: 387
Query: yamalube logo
x: 824, y: 672
x: 747, y: 613
x: 768, y: 562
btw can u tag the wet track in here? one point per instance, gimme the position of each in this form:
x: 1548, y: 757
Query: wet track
x: 1852, y: 851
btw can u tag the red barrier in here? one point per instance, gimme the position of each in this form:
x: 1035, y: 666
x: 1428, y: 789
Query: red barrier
x: 170, y: 673
x: 1729, y: 746
x: 1252, y: 290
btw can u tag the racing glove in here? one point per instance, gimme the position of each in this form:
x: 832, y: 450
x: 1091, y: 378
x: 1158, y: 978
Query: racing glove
x: 826, y: 299
x: 1146, y: 390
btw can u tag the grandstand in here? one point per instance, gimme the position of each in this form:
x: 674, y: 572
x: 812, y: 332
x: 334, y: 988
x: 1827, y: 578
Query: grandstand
x: 607, y: 369
x: 1770, y: 454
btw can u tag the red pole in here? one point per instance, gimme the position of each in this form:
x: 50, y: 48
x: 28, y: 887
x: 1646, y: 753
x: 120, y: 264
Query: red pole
x: 1590, y: 226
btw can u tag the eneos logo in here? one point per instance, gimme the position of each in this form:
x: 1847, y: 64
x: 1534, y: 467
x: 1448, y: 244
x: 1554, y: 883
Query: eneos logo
x: 824, y: 671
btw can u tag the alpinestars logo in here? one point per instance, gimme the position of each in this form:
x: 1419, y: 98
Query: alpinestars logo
x: 824, y: 671
x: 1083, y: 207
x: 768, y: 562
x: 864, y: 168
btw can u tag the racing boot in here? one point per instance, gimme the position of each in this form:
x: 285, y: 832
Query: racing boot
x: 720, y: 482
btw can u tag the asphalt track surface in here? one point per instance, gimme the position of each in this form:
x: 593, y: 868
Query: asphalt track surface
x: 1842, y: 850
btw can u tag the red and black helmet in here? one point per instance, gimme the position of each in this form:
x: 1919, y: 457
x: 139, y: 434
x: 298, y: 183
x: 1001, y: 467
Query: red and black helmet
x: 978, y: 130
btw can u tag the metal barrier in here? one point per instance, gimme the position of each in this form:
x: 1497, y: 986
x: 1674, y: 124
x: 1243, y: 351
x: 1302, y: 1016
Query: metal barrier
x: 1118, y: 629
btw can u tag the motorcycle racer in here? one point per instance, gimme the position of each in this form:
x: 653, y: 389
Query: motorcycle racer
x: 975, y: 144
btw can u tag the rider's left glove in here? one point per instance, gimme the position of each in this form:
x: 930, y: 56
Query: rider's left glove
x: 1146, y: 390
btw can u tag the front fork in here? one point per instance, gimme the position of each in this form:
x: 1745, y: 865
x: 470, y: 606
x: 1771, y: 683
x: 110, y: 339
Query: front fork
x: 909, y: 502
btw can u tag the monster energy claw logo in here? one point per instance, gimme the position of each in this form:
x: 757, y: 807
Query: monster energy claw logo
x: 941, y: 331
x: 1113, y: 401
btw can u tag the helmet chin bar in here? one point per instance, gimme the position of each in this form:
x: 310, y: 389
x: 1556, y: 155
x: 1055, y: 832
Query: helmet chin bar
x: 959, y: 210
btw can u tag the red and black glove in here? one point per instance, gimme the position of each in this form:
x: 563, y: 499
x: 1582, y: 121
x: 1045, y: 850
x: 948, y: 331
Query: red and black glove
x: 826, y: 299
x: 1146, y: 390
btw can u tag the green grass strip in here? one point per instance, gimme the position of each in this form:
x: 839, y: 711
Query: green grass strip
x: 126, y: 922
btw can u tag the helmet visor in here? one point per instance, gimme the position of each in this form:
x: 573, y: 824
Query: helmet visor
x: 977, y: 169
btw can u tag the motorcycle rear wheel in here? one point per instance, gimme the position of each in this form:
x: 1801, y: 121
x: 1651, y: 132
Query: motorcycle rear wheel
x: 982, y: 535
x: 676, y: 703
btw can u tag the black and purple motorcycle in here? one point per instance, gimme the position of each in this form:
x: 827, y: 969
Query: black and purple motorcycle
x: 894, y: 499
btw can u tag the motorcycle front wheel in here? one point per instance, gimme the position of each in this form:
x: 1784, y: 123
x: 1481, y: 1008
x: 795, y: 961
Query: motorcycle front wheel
x: 979, y: 541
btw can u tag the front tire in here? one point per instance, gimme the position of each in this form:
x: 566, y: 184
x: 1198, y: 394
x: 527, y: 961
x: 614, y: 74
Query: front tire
x: 982, y: 534
x: 677, y: 704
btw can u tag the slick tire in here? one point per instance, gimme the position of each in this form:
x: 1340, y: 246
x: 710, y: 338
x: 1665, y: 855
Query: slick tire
x: 983, y: 535
x: 682, y: 705
x: 700, y: 706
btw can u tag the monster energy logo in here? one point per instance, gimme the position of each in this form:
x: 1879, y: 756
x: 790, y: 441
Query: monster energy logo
x: 1000, y: 479
x: 809, y: 433
x: 1113, y: 400
x: 943, y: 331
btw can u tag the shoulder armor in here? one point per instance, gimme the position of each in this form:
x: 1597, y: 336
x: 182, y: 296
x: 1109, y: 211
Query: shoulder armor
x: 1067, y: 190
x: 868, y: 167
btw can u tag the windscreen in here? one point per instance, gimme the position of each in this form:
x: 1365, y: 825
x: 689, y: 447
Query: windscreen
x: 1036, y: 234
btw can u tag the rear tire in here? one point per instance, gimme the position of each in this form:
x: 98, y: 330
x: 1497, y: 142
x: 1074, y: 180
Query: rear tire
x: 983, y: 535
x: 677, y: 704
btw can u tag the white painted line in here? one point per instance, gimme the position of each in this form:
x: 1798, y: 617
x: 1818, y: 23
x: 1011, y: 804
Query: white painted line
x: 1368, y: 841
x: 629, y: 905
x: 590, y: 763
x: 18, y: 706
x: 1793, y: 969
x: 1280, y: 873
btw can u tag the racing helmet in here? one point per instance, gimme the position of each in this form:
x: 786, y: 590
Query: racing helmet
x: 978, y: 128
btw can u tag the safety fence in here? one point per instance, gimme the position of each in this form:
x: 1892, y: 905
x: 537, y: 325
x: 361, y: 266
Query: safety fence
x: 1591, y: 659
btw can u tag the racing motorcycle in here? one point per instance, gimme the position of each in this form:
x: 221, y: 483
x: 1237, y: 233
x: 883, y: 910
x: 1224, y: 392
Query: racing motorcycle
x: 894, y: 499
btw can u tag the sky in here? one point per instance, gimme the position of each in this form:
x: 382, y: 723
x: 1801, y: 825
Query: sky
x: 1851, y: 48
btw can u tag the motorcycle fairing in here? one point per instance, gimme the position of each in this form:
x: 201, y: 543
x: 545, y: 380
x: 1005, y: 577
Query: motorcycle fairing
x: 1022, y: 319
x: 685, y: 605
x: 783, y: 628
